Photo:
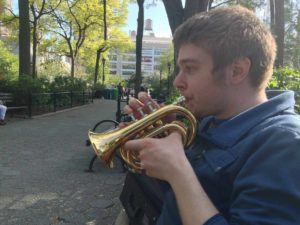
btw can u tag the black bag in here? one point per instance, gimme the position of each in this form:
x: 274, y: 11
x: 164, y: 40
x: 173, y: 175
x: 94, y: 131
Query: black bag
x: 138, y: 206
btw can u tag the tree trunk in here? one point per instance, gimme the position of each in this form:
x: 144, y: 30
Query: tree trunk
x: 192, y: 7
x: 105, y: 39
x: 97, y: 66
x: 34, y: 49
x: 279, y: 31
x: 72, y: 66
x: 24, y: 38
x: 272, y: 15
x: 175, y: 13
x: 139, y: 46
x: 104, y: 20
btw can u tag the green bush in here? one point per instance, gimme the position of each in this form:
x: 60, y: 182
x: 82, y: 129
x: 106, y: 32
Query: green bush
x: 285, y: 78
x: 8, y: 64
x: 64, y: 83
x: 40, y: 85
x: 24, y: 84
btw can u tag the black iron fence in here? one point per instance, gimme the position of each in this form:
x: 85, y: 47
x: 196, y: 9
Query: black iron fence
x: 41, y: 103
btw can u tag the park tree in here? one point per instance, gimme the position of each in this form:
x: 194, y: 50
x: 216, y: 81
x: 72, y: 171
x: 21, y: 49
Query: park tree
x: 24, y: 38
x: 103, y: 47
x: 139, y: 46
x: 292, y: 35
x: 177, y: 13
x: 277, y: 25
x: 79, y: 21
x: 39, y: 9
x: 106, y: 36
x: 9, y: 23
x: 73, y: 19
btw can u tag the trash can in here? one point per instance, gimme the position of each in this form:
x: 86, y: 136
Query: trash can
x: 114, y: 94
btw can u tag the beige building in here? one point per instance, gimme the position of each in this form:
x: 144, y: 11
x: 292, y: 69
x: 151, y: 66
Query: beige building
x: 4, y: 32
x: 124, y: 63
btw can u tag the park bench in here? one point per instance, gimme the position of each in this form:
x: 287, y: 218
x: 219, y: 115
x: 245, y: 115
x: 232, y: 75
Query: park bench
x: 120, y: 117
x: 10, y: 102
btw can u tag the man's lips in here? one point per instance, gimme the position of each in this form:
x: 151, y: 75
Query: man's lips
x: 187, y: 99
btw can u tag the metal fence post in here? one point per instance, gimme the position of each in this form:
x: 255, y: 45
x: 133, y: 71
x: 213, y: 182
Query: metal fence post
x: 71, y: 96
x: 29, y: 104
x: 54, y: 101
x: 118, y: 113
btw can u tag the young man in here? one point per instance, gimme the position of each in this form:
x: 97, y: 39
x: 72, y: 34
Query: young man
x: 244, y: 163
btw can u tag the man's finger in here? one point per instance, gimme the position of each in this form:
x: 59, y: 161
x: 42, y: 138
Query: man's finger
x: 134, y: 145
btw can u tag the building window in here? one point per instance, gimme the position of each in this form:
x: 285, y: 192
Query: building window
x: 128, y: 58
x: 128, y: 66
x: 157, y: 58
x: 147, y: 67
x: 147, y: 51
x: 157, y: 67
x: 159, y: 51
x: 113, y: 57
x: 113, y: 65
x: 147, y: 59
x: 127, y: 73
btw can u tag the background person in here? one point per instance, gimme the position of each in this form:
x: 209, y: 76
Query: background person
x: 244, y: 163
x: 3, y: 109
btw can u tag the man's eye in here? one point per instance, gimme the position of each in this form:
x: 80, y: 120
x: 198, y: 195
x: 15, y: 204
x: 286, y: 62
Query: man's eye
x: 189, y: 69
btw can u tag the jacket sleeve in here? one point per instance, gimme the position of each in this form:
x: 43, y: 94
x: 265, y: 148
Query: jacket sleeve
x: 267, y: 188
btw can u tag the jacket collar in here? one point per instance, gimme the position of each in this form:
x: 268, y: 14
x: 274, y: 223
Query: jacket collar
x: 231, y: 130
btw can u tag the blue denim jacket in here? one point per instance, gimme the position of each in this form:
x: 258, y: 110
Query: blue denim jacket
x: 249, y: 166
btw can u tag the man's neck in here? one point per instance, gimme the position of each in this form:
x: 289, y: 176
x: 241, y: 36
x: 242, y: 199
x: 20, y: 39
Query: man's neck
x: 242, y: 101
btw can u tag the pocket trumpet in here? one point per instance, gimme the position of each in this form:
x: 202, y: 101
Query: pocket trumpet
x: 152, y: 125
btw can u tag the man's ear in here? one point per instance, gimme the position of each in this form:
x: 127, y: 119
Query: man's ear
x: 240, y: 70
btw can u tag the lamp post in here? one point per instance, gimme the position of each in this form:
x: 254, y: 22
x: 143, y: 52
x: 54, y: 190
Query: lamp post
x: 103, y: 70
x: 169, y: 70
x: 160, y: 80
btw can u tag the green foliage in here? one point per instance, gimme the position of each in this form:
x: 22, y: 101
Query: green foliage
x: 158, y: 86
x: 165, y: 60
x: 66, y: 83
x: 40, y: 85
x: 23, y: 84
x: 249, y: 4
x: 114, y: 80
x: 286, y: 78
x: 8, y: 63
x: 52, y: 68
x: 173, y: 96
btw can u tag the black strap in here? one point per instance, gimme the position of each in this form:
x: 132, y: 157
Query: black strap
x: 138, y: 206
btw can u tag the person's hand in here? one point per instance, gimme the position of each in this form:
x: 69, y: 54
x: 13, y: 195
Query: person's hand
x: 138, y: 108
x: 144, y: 105
x: 160, y: 158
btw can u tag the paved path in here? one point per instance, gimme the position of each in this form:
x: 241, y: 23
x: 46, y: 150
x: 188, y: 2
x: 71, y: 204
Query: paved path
x: 42, y: 163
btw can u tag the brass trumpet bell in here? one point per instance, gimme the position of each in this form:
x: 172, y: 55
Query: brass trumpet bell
x: 107, y: 143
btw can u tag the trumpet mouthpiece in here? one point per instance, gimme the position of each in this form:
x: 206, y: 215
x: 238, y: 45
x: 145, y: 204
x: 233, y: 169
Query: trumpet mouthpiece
x: 179, y: 101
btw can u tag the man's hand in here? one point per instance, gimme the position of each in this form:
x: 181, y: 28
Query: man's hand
x: 160, y: 157
x: 138, y: 108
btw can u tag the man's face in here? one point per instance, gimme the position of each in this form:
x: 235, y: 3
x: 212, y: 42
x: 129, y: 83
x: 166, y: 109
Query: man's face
x: 205, y: 92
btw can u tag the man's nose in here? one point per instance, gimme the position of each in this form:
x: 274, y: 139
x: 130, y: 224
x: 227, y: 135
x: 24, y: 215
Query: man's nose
x: 178, y: 82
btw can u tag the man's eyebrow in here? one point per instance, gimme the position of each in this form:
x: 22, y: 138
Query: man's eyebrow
x: 187, y: 60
